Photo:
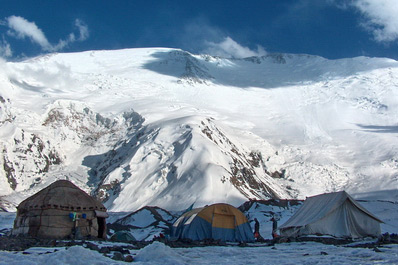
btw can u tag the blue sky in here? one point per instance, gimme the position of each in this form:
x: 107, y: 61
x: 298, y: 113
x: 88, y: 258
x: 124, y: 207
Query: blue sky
x: 329, y: 28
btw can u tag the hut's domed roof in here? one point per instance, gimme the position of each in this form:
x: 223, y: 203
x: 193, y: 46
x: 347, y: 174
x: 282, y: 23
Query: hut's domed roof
x: 64, y: 195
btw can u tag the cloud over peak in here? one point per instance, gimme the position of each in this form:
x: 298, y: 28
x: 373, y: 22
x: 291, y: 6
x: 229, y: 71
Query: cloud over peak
x: 230, y: 48
x: 200, y: 36
x: 83, y: 30
x: 21, y: 28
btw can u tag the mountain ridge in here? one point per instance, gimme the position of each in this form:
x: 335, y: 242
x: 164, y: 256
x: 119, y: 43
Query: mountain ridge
x: 277, y: 126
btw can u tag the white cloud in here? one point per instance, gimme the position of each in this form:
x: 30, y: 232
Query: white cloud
x: 5, y: 49
x: 83, y: 30
x: 197, y: 33
x: 202, y: 37
x: 230, y: 48
x: 381, y: 18
x: 21, y: 28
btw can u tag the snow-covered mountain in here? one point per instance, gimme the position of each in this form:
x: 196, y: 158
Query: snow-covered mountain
x: 167, y: 128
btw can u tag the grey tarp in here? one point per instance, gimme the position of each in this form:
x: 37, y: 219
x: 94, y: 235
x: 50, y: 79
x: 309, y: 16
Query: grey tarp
x: 336, y: 214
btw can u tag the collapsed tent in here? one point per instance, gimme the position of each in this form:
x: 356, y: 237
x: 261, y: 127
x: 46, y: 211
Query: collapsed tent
x: 61, y: 210
x: 122, y: 236
x: 336, y: 214
x: 218, y: 221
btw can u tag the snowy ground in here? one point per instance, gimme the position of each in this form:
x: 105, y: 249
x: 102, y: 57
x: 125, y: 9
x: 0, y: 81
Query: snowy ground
x: 158, y: 253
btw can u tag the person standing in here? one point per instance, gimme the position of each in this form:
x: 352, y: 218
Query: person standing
x: 256, y: 228
x: 274, y: 227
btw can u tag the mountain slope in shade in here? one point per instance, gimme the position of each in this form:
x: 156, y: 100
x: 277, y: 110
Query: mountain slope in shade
x: 164, y: 127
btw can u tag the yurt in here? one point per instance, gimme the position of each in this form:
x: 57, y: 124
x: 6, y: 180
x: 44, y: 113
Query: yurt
x: 61, y: 210
x: 336, y: 214
x: 218, y: 221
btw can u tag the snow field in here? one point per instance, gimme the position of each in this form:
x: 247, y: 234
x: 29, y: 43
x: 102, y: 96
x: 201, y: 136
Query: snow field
x: 158, y: 253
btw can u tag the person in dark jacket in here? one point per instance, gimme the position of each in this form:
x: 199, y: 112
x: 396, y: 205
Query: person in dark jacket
x: 256, y: 228
x: 274, y: 227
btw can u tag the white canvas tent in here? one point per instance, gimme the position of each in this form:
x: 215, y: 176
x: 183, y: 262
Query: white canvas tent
x: 336, y: 214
